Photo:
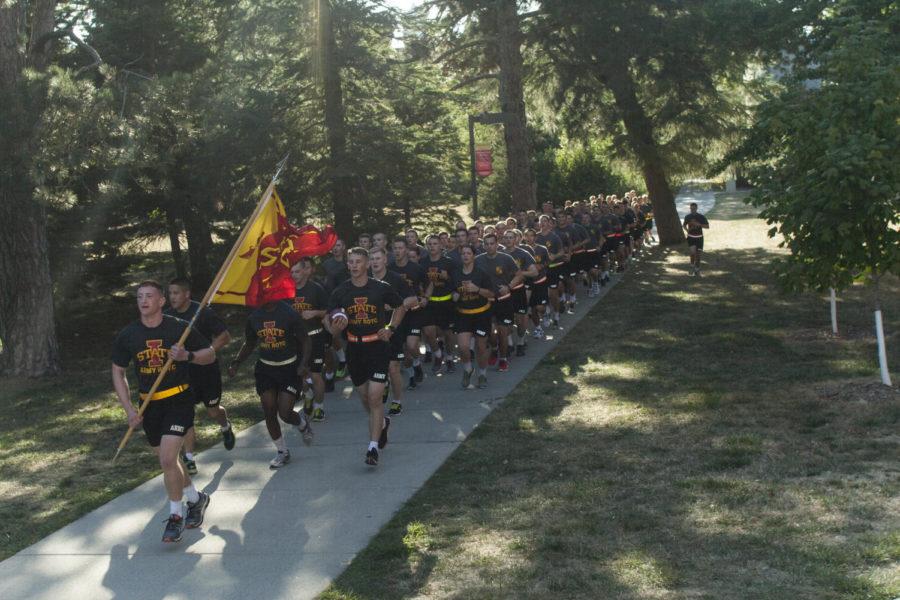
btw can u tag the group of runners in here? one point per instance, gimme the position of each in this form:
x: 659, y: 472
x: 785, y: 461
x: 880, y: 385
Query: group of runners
x: 463, y: 301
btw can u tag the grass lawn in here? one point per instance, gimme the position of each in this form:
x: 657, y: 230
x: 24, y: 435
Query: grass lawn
x: 692, y: 438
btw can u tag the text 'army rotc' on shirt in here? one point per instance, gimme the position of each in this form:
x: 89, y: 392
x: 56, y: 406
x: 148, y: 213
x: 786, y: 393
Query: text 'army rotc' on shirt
x: 276, y: 328
x: 311, y: 296
x: 501, y: 268
x: 364, y: 305
x: 149, y: 347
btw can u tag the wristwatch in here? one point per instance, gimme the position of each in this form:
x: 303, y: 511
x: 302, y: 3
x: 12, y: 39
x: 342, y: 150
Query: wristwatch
x: 390, y: 327
x: 190, y: 356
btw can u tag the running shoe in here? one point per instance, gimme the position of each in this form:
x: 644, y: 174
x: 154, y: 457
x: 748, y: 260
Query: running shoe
x: 538, y: 333
x: 520, y: 350
x: 436, y: 366
x: 228, y: 437
x: 174, y: 529
x: 318, y: 415
x: 396, y: 408
x: 412, y: 384
x: 503, y: 366
x: 329, y: 384
x: 195, y: 511
x: 372, y: 457
x: 418, y: 373
x: 305, y: 429
x: 467, y: 380
x: 341, y: 370
x: 482, y: 382
x: 281, y: 459
x: 190, y: 465
x: 382, y: 439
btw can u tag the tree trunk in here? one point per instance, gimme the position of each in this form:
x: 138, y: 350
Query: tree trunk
x: 640, y: 137
x: 512, y: 102
x: 27, y: 327
x: 200, y: 246
x: 339, y: 173
x: 174, y: 231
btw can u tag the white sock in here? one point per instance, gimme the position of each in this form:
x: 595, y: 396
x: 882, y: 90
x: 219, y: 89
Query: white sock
x: 341, y: 356
x: 437, y: 353
x: 417, y: 362
x: 482, y: 371
x: 318, y: 405
x: 573, y: 298
x: 226, y: 426
x: 309, y: 381
x: 189, y: 455
x: 467, y: 367
x: 280, y: 445
x: 373, y: 445
x: 521, y: 339
x: 175, y: 508
x: 329, y: 376
x: 191, y: 494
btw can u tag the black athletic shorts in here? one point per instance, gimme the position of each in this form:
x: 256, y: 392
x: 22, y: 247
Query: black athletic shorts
x: 368, y: 361
x: 555, y: 275
x: 582, y: 261
x: 591, y: 260
x: 637, y: 233
x: 648, y: 225
x: 478, y: 324
x: 169, y: 416
x: 397, y: 343
x: 503, y: 312
x: 438, y: 314
x: 413, y: 322
x: 318, y: 343
x: 539, y: 295
x: 206, y: 381
x: 695, y: 241
x: 520, y: 301
x: 282, y: 378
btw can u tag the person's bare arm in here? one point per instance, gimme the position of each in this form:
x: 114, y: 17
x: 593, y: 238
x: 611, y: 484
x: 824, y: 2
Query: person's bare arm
x: 120, y: 385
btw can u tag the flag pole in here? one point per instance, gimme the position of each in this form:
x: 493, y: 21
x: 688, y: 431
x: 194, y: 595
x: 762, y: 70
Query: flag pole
x: 210, y: 294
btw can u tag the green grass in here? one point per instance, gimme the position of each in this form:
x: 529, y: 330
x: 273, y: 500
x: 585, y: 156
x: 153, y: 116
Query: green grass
x: 690, y: 439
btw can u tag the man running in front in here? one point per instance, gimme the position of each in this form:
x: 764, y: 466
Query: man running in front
x: 357, y: 308
x: 149, y: 342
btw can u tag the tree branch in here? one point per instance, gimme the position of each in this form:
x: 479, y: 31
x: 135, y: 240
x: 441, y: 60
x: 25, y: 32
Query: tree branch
x: 472, y: 80
x: 453, y: 51
x: 87, y: 48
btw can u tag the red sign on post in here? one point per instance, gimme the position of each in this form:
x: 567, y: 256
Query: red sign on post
x: 484, y: 165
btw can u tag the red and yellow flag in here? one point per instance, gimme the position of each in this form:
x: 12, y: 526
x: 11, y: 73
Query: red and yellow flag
x: 261, y: 269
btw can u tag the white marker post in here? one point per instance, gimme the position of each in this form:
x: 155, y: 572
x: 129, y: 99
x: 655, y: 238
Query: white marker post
x: 834, y: 327
x: 882, y: 353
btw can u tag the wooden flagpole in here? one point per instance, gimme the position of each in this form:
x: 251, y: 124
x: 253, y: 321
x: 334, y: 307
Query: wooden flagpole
x: 210, y: 294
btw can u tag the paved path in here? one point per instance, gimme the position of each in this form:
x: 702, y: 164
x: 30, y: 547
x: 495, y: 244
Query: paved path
x: 705, y: 201
x: 268, y: 534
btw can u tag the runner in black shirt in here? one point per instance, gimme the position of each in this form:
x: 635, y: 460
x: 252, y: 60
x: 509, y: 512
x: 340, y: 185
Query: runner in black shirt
x: 169, y: 415
x: 277, y: 330
x: 336, y: 273
x: 414, y: 276
x: 206, y: 380
x: 397, y: 343
x: 439, y: 312
x: 473, y: 290
x: 357, y: 309
x: 310, y: 302
x: 539, y: 297
x: 528, y: 271
x: 591, y: 260
x: 694, y: 224
x: 504, y: 273
x: 550, y: 240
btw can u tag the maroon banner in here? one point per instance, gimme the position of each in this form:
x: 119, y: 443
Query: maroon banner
x: 484, y: 164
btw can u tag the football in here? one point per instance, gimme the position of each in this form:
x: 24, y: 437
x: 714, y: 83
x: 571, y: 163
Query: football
x: 337, y: 315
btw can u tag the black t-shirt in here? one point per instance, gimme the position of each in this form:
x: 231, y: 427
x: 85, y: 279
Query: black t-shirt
x: 550, y: 241
x: 413, y: 274
x: 541, y: 257
x: 208, y: 323
x: 629, y: 218
x: 501, y: 268
x: 397, y: 283
x: 469, y: 300
x: 364, y: 305
x: 336, y: 272
x: 276, y: 331
x: 609, y: 224
x: 149, y: 347
x: 438, y: 273
x: 311, y: 296
x: 694, y: 221
x: 454, y: 256
x: 593, y: 232
x: 522, y: 257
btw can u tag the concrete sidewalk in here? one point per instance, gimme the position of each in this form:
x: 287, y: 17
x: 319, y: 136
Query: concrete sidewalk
x: 268, y: 534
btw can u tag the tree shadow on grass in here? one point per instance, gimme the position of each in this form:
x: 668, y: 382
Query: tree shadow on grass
x: 723, y: 480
